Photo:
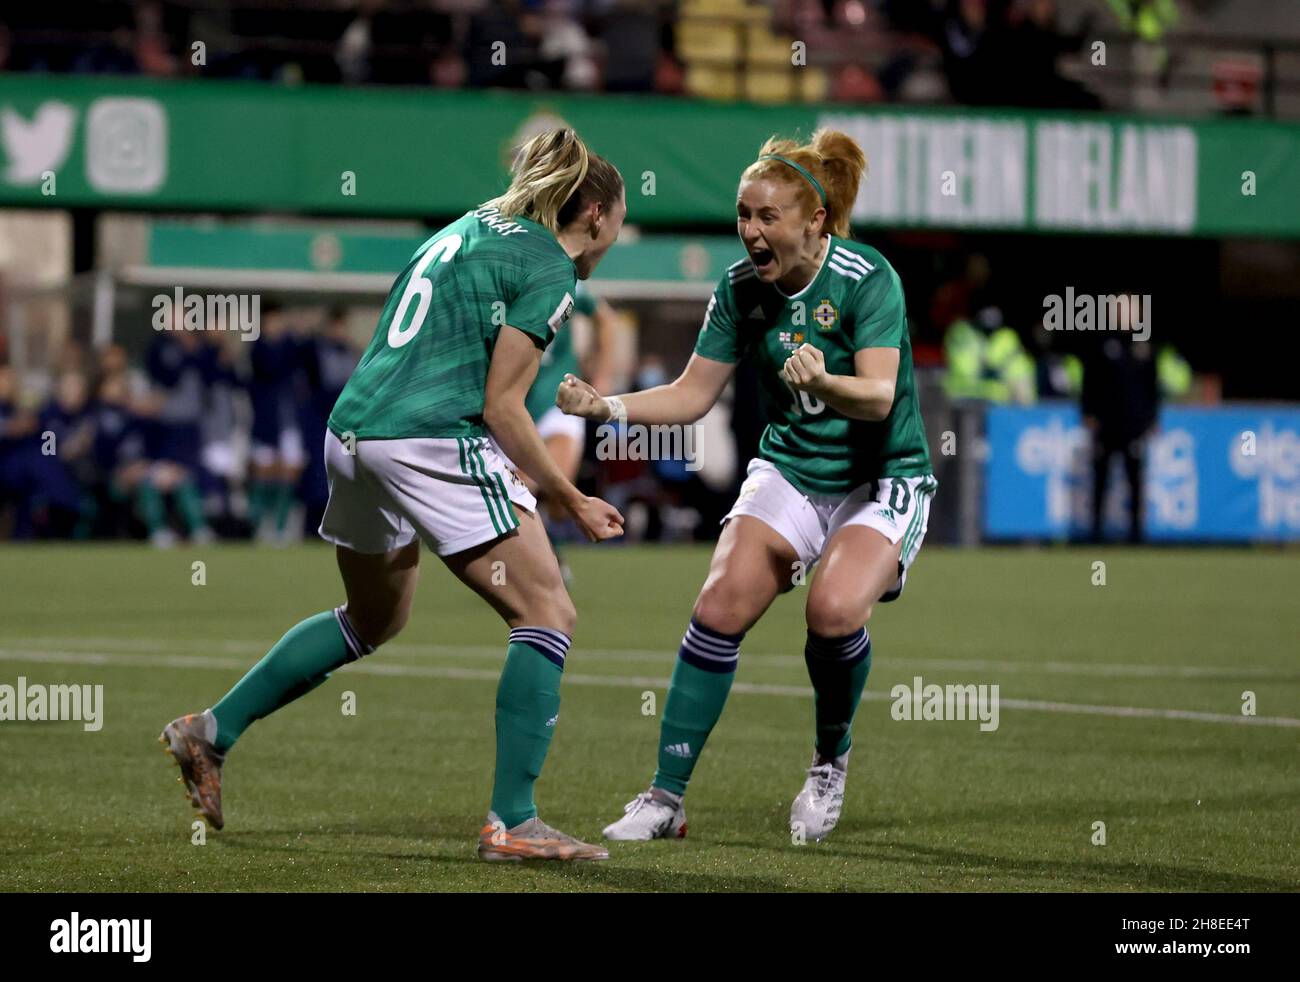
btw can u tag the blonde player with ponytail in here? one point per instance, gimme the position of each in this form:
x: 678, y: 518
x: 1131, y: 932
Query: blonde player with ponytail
x: 842, y: 479
x: 419, y: 449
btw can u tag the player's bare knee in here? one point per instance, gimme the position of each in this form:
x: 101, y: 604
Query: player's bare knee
x: 721, y: 609
x: 834, y: 617
x: 555, y: 610
x: 376, y: 627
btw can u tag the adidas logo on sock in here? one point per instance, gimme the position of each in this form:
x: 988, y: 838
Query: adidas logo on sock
x: 679, y: 749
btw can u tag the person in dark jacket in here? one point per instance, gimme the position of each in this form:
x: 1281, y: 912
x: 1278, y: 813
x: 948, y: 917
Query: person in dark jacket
x: 1120, y: 404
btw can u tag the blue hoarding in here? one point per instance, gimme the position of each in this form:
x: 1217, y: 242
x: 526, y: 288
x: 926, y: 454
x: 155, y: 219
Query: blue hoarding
x: 1223, y: 473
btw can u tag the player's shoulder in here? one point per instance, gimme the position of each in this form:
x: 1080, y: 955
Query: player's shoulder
x: 739, y: 281
x: 858, y: 261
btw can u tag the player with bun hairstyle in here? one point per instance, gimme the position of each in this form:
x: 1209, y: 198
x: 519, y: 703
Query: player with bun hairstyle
x: 419, y: 448
x: 842, y: 478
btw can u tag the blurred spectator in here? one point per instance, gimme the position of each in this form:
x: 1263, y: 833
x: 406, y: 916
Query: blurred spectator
x: 278, y: 454
x: 34, y: 478
x: 992, y: 51
x: 853, y: 83
x: 1059, y: 374
x: 1120, y: 404
x: 448, y: 69
x: 632, y: 41
x: 972, y: 37
x: 180, y: 366
x: 962, y: 295
x: 118, y: 452
x: 986, y: 360
x: 1033, y: 46
x: 329, y: 358
x: 502, y: 44
x: 566, y: 55
x: 66, y: 421
x: 151, y: 43
x: 220, y: 430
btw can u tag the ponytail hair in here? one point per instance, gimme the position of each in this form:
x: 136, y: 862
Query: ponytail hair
x: 833, y: 159
x: 554, y: 177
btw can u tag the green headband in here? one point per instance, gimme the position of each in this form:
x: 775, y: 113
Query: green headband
x: 802, y: 170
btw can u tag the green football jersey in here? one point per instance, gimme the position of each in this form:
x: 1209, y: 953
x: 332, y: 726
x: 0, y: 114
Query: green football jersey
x: 425, y: 370
x: 855, y: 301
x: 558, y: 360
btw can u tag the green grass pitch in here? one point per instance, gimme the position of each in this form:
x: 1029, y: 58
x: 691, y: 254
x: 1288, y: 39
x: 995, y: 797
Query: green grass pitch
x: 391, y: 799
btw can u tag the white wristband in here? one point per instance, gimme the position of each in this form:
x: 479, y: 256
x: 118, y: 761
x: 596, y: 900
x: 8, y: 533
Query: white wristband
x: 617, y: 411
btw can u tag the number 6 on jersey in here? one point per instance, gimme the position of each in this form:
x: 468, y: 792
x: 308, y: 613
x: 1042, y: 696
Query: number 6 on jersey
x: 441, y: 250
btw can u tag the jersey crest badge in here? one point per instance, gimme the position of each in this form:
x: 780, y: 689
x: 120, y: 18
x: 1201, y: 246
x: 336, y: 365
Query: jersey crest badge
x: 825, y: 315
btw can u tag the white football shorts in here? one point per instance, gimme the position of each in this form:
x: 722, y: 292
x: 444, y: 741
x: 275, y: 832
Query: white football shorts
x: 453, y: 493
x: 896, y: 507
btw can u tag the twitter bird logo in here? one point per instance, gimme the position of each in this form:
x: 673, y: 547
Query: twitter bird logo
x: 41, y: 145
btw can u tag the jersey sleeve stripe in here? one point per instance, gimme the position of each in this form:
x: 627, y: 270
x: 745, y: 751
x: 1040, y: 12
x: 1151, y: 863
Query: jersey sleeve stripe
x: 852, y: 259
x: 843, y: 271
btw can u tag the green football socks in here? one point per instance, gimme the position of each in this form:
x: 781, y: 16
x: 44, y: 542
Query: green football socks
x: 300, y: 661
x: 838, y: 669
x: 528, y: 707
x: 702, y: 677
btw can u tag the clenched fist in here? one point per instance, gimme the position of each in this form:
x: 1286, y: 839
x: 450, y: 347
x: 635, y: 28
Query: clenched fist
x: 577, y: 398
x: 805, y: 369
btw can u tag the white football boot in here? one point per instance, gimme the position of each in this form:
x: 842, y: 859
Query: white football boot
x: 816, y: 808
x: 653, y: 814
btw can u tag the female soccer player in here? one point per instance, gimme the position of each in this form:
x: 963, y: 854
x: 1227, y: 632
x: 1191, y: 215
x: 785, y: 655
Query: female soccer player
x: 418, y: 448
x: 843, y: 473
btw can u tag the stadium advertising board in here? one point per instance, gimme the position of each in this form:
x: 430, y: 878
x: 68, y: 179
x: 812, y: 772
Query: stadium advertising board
x: 243, y: 146
x: 1229, y: 473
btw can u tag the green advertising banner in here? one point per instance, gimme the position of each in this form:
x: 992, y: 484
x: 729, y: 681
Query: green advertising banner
x: 245, y: 146
x: 182, y: 246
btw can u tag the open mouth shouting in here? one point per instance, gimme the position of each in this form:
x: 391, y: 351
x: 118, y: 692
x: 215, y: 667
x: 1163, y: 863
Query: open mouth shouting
x: 764, y: 260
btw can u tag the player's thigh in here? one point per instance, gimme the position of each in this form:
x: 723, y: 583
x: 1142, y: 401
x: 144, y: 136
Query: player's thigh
x: 518, y: 575
x: 380, y: 589
x: 751, y: 565
x: 858, y: 566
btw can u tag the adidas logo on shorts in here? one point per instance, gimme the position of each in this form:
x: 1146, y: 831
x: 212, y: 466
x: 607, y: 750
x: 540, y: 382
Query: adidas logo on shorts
x: 679, y: 749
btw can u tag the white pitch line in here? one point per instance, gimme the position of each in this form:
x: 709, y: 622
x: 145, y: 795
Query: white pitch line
x: 658, y: 656
x: 116, y: 659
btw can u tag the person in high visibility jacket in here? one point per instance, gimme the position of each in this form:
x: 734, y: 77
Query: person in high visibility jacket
x: 987, y: 361
x: 1172, y: 373
x: 1147, y: 19
x: 1059, y: 374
